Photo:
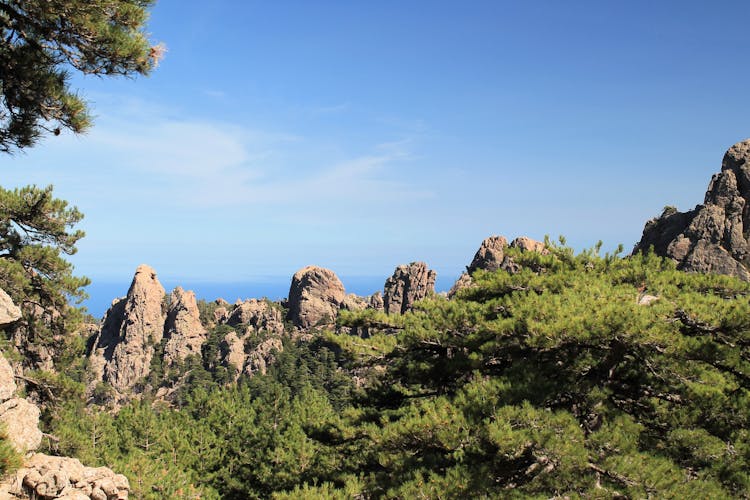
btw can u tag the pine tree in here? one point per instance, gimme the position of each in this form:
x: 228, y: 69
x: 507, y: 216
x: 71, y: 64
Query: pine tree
x: 36, y: 230
x: 42, y: 40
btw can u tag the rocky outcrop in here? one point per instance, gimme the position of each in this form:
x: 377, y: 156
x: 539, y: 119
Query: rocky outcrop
x: 526, y: 244
x: 253, y: 319
x: 257, y: 315
x: 46, y: 477
x: 376, y: 302
x: 183, y: 329
x: 314, y: 297
x: 353, y: 302
x: 42, y: 476
x: 463, y: 281
x: 9, y: 312
x: 408, y: 284
x: 713, y: 237
x: 132, y: 328
x: 21, y: 421
x: 490, y: 255
x: 261, y: 356
x: 7, y: 380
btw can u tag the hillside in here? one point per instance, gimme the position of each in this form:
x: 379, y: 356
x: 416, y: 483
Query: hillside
x: 542, y: 373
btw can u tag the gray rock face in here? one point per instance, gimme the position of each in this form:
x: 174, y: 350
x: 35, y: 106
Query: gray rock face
x: 21, y: 420
x: 183, y: 327
x: 713, y: 237
x: 257, y: 315
x: 314, y: 297
x: 7, y: 380
x: 376, y: 302
x: 262, y: 355
x: 526, y: 244
x: 132, y: 328
x: 44, y: 476
x: 407, y: 285
x: 242, y: 351
x: 9, y: 312
x: 463, y: 281
x: 490, y: 255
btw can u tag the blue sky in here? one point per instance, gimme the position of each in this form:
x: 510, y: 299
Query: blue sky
x: 362, y: 135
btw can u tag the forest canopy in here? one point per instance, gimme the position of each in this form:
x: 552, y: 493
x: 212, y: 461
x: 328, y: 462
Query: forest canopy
x: 557, y: 379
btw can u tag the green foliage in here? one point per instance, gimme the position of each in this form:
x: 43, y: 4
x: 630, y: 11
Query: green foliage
x: 272, y: 433
x: 556, y: 381
x: 43, y: 40
x: 552, y: 381
x: 36, y: 229
x: 10, y: 459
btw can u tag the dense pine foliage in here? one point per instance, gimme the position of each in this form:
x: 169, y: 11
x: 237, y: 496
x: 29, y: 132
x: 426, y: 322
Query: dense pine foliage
x: 557, y: 380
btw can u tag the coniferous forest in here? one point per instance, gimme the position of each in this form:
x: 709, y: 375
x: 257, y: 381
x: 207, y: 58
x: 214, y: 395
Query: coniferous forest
x: 555, y: 380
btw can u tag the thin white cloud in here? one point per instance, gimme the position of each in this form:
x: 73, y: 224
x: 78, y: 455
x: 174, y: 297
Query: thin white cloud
x: 196, y: 163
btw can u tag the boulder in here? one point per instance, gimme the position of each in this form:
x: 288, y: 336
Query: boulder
x: 7, y: 380
x: 713, y: 237
x: 376, y: 302
x: 183, y: 329
x: 44, y: 476
x: 21, y: 420
x: 132, y: 328
x: 315, y: 296
x: 9, y: 312
x: 408, y: 284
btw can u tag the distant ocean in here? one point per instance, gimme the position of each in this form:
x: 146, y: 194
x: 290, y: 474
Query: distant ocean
x: 102, y: 293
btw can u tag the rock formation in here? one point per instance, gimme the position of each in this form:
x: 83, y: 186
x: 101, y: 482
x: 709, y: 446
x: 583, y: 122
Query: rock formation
x: 314, y: 297
x: 407, y: 285
x: 491, y: 256
x: 257, y: 315
x: 132, y: 328
x: 713, y: 237
x: 9, y: 312
x: 242, y: 351
x: 42, y: 476
x: 183, y: 329
x: 526, y: 244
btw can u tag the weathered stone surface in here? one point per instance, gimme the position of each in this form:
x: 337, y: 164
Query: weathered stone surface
x: 43, y: 476
x: 262, y: 355
x: 463, y: 281
x: 183, y: 327
x: 7, y: 380
x: 528, y: 245
x: 408, y: 285
x: 712, y: 237
x: 490, y: 255
x: 376, y: 301
x: 132, y: 328
x: 21, y: 420
x: 233, y: 353
x: 9, y: 312
x: 257, y: 315
x: 314, y: 297
x: 353, y: 302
